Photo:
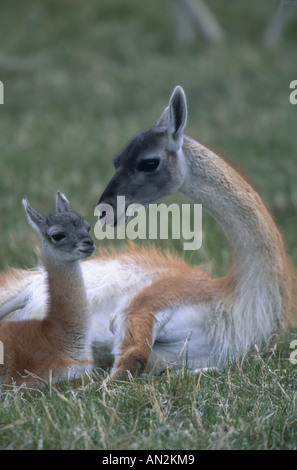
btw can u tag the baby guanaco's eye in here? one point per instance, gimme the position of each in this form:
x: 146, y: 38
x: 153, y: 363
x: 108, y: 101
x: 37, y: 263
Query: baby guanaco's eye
x: 58, y: 236
x: 149, y: 165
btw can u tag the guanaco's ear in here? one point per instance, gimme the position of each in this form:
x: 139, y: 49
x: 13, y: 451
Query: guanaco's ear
x: 177, y: 118
x: 62, y: 203
x: 163, y: 120
x: 37, y: 221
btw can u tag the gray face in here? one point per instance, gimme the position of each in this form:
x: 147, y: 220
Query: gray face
x: 65, y: 235
x: 146, y: 171
x: 68, y: 233
x: 152, y: 166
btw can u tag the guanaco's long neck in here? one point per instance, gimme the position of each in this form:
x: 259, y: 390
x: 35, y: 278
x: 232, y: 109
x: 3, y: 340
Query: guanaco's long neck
x: 67, y: 308
x: 260, y: 274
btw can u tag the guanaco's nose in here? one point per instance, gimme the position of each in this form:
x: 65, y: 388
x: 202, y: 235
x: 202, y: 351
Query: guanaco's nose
x: 89, y: 243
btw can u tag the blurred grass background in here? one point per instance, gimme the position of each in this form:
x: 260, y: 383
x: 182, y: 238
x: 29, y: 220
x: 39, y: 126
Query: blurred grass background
x: 81, y: 79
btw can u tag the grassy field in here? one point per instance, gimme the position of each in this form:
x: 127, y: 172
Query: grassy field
x: 80, y: 80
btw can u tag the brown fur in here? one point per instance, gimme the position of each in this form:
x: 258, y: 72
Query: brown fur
x: 181, y: 285
x: 30, y: 347
x: 38, y: 346
x: 187, y: 287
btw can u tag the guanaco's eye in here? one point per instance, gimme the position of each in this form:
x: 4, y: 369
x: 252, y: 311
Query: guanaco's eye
x: 58, y: 236
x: 148, y: 165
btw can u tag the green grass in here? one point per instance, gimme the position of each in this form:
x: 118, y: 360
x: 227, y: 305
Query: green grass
x: 250, y: 405
x: 80, y: 80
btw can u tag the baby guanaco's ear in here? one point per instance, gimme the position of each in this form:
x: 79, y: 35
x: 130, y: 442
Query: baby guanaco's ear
x: 37, y: 221
x: 62, y: 203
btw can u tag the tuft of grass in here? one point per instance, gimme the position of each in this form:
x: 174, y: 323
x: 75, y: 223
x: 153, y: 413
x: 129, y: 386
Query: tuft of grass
x: 251, y: 404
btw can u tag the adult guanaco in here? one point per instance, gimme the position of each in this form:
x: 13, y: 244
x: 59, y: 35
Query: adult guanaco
x: 206, y: 320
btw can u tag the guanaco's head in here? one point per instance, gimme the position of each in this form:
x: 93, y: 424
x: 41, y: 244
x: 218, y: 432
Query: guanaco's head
x: 65, y: 235
x: 151, y: 167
